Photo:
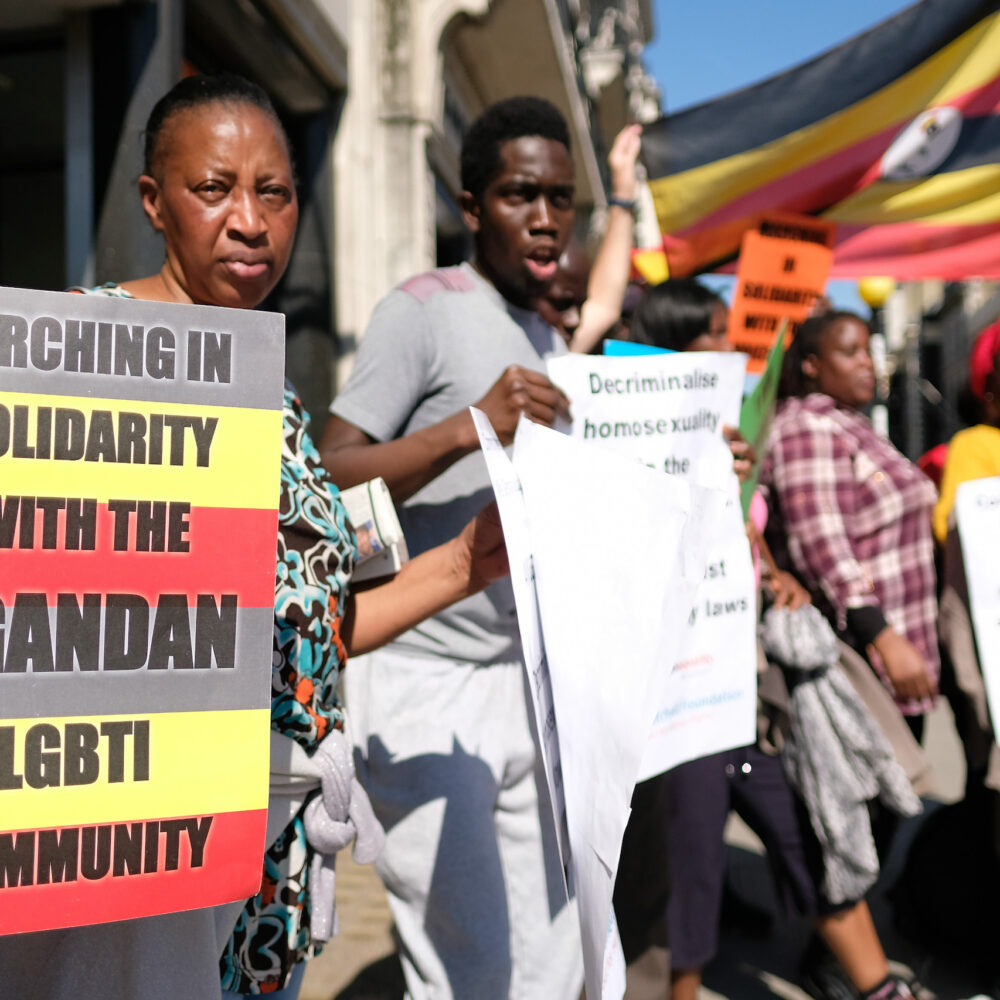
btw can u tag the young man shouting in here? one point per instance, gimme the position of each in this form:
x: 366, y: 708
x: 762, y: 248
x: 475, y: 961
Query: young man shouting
x: 442, y: 715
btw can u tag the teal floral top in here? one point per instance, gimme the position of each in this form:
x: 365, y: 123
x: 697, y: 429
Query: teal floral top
x: 317, y: 549
x: 316, y: 553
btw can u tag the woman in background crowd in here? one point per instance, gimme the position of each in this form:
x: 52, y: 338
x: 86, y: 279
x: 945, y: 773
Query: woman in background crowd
x: 975, y: 452
x: 945, y: 895
x: 850, y: 516
x: 682, y: 315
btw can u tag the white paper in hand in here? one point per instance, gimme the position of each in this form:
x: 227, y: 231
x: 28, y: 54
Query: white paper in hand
x: 977, y: 512
x: 668, y: 411
x: 514, y: 518
x: 605, y: 532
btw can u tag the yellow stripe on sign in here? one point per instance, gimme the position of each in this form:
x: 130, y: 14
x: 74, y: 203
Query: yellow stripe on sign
x: 114, y: 449
x: 959, y: 198
x: 104, y: 769
x: 968, y: 62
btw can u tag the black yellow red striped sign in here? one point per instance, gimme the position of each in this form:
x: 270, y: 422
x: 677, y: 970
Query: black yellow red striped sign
x: 139, y: 482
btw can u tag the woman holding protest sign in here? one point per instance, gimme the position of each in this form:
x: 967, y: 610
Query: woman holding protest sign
x: 974, y: 453
x: 944, y: 895
x: 219, y: 185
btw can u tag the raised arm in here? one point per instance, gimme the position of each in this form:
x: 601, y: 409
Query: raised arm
x: 613, y: 264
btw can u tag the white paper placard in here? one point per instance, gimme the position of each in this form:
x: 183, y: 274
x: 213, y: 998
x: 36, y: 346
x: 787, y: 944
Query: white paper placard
x: 977, y: 513
x: 667, y: 411
x: 596, y: 618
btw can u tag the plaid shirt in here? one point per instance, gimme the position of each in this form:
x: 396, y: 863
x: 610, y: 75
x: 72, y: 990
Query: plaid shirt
x: 851, y: 517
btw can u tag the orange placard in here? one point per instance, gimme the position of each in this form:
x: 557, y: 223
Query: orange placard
x: 782, y: 271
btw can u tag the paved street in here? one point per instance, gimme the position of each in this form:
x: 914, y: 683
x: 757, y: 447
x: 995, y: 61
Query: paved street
x: 361, y: 963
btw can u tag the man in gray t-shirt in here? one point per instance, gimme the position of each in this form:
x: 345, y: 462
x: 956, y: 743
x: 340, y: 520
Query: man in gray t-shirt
x: 441, y: 716
x: 433, y: 346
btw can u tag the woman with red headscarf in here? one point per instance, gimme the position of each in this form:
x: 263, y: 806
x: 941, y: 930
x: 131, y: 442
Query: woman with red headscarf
x: 975, y: 452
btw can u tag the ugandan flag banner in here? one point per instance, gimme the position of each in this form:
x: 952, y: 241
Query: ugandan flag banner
x: 894, y: 136
x: 140, y: 448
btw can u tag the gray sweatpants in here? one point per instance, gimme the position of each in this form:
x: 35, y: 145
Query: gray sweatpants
x: 470, y: 863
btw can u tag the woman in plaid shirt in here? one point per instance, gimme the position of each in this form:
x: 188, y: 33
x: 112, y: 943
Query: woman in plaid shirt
x: 851, y: 517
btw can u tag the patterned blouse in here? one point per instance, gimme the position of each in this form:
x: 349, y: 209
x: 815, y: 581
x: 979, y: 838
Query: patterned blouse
x: 851, y: 517
x: 316, y: 553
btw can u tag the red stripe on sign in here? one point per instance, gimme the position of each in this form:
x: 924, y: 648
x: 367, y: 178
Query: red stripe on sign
x: 228, y: 849
x: 228, y: 550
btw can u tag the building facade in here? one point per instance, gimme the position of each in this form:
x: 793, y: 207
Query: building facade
x: 375, y: 95
x: 930, y: 327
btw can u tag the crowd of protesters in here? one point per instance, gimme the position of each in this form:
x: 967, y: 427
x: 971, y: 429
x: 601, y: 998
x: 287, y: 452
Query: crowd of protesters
x: 842, y: 528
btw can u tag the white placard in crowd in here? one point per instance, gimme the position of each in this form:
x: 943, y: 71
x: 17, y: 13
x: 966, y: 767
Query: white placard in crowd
x: 514, y: 517
x: 603, y: 608
x: 977, y: 513
x: 668, y: 411
x: 706, y: 699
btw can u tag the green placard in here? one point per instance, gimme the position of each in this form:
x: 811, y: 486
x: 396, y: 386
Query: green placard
x: 757, y: 413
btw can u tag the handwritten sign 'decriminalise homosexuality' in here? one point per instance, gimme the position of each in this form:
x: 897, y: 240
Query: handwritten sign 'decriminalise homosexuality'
x: 668, y: 411
x: 140, y: 452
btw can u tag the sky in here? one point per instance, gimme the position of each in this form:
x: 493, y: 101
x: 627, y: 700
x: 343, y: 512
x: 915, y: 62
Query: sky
x: 705, y: 48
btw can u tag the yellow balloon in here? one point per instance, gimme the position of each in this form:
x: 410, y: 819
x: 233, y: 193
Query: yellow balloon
x: 876, y: 290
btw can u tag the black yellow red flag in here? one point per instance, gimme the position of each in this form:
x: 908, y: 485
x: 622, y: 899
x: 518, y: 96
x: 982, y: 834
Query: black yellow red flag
x: 893, y: 135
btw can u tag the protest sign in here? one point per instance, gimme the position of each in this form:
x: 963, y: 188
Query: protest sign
x: 977, y: 514
x: 553, y: 495
x: 140, y: 469
x: 782, y: 271
x: 757, y: 413
x: 668, y: 411
x: 517, y: 537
